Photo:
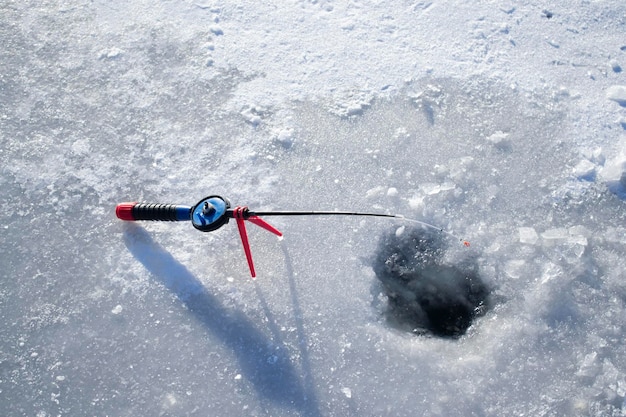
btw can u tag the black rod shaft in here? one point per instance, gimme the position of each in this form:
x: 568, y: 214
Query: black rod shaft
x: 319, y: 213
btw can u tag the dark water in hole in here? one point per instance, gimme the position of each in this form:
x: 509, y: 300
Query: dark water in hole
x: 426, y: 294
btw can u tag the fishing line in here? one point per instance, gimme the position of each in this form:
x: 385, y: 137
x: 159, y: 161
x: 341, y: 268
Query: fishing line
x: 357, y: 213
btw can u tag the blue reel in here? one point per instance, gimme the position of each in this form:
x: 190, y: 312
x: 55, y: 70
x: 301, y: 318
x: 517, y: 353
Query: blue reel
x: 210, y: 213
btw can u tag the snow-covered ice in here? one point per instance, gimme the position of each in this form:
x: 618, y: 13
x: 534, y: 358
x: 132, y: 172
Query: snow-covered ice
x: 617, y: 93
x: 504, y: 124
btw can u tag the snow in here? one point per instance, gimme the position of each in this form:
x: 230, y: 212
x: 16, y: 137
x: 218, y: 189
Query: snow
x: 617, y: 93
x: 502, y: 124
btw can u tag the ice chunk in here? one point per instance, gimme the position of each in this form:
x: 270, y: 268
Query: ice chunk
x: 578, y: 240
x: 110, y: 53
x: 430, y: 188
x: 347, y: 392
x: 392, y: 192
x: 375, y: 192
x: 169, y: 400
x: 117, y: 309
x: 554, y: 236
x: 551, y: 271
x: 284, y: 137
x: 416, y: 202
x: 579, y: 230
x: 589, y: 367
x: 528, y: 235
x: 585, y: 170
x: 614, y: 172
x: 499, y: 139
x: 514, y: 268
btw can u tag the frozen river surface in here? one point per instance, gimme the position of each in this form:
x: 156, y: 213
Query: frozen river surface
x: 504, y: 124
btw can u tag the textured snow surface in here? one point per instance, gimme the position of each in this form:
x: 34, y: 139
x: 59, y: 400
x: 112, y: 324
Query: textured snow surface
x: 503, y: 123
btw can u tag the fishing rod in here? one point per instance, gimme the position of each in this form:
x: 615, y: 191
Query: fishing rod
x: 213, y: 212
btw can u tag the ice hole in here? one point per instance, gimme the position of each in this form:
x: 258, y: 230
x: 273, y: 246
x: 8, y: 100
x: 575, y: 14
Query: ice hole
x: 426, y: 292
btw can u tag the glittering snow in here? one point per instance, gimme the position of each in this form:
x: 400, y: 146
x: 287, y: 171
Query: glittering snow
x: 504, y: 124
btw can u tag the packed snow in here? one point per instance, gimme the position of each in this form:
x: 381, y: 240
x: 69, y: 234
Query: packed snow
x: 501, y: 123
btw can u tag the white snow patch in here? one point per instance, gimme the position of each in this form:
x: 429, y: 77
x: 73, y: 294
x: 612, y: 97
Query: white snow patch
x: 617, y: 93
x: 216, y: 30
x: 351, y: 103
x: 169, y: 400
x: 615, y: 66
x: 499, y: 138
x: 110, y: 53
x: 376, y: 192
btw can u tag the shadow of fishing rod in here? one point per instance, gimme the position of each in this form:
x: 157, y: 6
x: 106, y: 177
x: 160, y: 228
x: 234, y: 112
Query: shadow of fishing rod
x: 275, y: 379
x: 303, y: 343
